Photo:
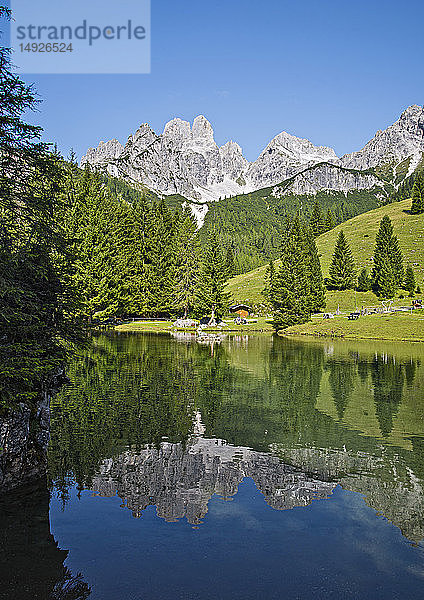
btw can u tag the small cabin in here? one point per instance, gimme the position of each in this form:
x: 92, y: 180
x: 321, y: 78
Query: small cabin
x: 242, y: 310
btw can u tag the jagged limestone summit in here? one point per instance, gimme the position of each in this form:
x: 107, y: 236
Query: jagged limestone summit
x: 185, y: 160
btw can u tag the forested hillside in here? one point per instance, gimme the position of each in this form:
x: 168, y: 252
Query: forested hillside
x: 253, y: 224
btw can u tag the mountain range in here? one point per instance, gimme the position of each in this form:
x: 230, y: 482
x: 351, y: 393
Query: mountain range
x: 185, y: 160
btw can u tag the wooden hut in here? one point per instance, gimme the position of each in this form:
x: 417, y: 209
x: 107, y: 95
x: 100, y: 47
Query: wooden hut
x: 241, y: 309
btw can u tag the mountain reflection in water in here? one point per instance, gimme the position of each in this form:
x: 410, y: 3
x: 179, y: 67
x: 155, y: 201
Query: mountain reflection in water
x: 170, y: 423
x: 180, y: 481
x: 331, y: 429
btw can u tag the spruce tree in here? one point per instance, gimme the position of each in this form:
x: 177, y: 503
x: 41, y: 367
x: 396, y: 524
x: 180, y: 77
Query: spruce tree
x: 387, y: 274
x: 417, y: 206
x: 409, y: 283
x: 364, y: 281
x: 91, y: 219
x: 291, y: 293
x: 330, y: 221
x: 164, y: 248
x: 230, y: 260
x: 269, y: 280
x: 317, y: 289
x: 211, y: 297
x: 140, y: 265
x: 387, y: 285
x: 342, y: 268
x: 187, y: 265
x: 37, y: 298
x: 316, y: 222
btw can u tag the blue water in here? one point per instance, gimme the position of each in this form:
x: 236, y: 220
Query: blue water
x: 258, y: 468
x: 337, y: 548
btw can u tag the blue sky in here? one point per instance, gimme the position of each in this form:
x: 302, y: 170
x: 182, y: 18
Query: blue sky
x: 333, y: 72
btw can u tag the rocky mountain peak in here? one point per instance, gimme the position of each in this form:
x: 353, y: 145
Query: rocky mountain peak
x: 103, y: 154
x: 403, y: 139
x: 413, y: 111
x: 177, y: 129
x: 233, y: 150
x: 232, y: 146
x: 412, y: 120
x: 300, y: 149
x: 286, y: 155
x: 142, y: 138
x: 185, y: 159
x: 202, y: 129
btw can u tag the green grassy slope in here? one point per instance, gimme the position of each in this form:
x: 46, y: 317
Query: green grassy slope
x: 360, y: 232
x: 391, y: 326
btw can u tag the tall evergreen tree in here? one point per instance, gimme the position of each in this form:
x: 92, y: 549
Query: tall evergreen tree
x: 211, y: 296
x: 291, y: 294
x: 316, y: 222
x: 187, y: 265
x: 330, y: 221
x: 230, y: 260
x: 164, y: 251
x: 269, y: 280
x: 37, y: 299
x: 409, y: 283
x: 386, y: 281
x: 342, y: 268
x: 140, y: 267
x: 317, y: 288
x: 417, y: 206
x: 96, y: 221
x: 364, y: 281
x: 388, y: 274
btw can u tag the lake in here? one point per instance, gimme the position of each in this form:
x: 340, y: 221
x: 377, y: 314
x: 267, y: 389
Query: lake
x: 259, y: 467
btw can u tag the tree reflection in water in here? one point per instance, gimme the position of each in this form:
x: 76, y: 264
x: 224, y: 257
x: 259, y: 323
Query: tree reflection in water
x: 167, y: 422
x: 31, y: 563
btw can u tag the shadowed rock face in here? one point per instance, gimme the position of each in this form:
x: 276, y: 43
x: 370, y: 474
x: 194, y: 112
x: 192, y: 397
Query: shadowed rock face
x: 24, y: 437
x: 329, y: 177
x: 180, y: 481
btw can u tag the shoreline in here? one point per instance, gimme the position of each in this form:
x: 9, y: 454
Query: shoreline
x: 350, y: 337
x: 263, y: 325
x: 395, y: 327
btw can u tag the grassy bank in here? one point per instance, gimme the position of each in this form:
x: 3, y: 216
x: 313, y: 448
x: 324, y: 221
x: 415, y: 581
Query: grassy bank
x: 263, y: 324
x: 390, y: 326
x: 158, y: 326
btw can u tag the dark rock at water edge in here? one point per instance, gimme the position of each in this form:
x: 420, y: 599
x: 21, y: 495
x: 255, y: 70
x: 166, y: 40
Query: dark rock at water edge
x: 24, y: 437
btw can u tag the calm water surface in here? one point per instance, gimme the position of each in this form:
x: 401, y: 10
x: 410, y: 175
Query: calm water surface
x: 259, y: 468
